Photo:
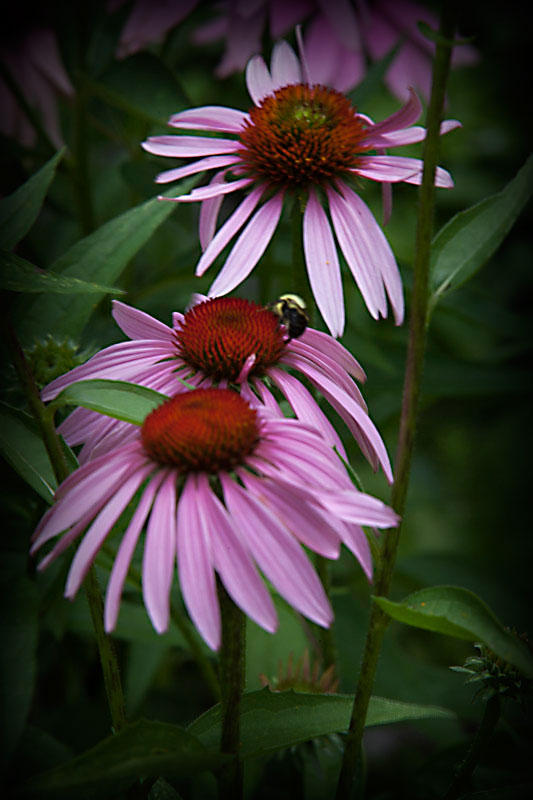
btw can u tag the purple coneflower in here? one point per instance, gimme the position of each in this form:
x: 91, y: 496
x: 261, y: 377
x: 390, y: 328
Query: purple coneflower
x: 222, y: 341
x: 222, y: 487
x: 308, y: 141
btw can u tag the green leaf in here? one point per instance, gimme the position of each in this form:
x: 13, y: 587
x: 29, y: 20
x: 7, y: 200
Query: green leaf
x: 19, y: 211
x: 273, y: 720
x: 20, y: 631
x: 467, y: 242
x: 119, y: 399
x: 19, y: 275
x: 142, y: 86
x: 23, y: 449
x: 144, y: 749
x: 458, y: 612
x: 100, y: 257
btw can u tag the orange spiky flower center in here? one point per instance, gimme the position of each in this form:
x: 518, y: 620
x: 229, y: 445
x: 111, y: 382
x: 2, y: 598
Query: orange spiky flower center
x: 205, y: 430
x: 217, y: 336
x: 302, y: 135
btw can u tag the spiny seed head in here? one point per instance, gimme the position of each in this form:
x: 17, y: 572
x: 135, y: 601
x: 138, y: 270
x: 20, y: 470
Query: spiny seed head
x: 217, y: 336
x: 301, y: 136
x: 205, y: 430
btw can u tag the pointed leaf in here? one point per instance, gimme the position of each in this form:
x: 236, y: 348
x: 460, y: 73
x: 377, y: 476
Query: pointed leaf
x: 144, y: 749
x: 20, y: 633
x: 458, y: 612
x: 467, y: 242
x: 100, y: 257
x: 142, y: 86
x: 119, y: 399
x: 274, y: 720
x: 23, y: 448
x: 19, y: 275
x: 19, y: 211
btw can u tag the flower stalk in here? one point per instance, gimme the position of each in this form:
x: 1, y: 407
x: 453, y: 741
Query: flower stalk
x: 231, y: 667
x: 45, y: 420
x: 411, y: 397
x: 461, y: 781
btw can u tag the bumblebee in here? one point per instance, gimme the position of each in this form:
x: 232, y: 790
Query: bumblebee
x: 291, y: 310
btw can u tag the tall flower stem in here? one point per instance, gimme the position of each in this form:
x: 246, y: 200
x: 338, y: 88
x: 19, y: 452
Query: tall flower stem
x: 461, y: 782
x: 231, y: 667
x: 45, y: 421
x: 411, y: 396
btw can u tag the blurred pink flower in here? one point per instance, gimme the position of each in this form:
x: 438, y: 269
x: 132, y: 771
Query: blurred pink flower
x: 34, y: 63
x: 148, y: 22
x: 306, y: 141
x: 223, y: 487
x: 221, y: 342
x: 339, y: 36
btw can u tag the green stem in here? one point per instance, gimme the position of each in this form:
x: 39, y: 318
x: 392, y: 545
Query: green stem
x: 326, y: 637
x: 411, y: 396
x: 52, y: 443
x: 232, y: 664
x: 41, y: 413
x: 184, y: 626
x: 106, y: 650
x: 204, y: 664
x: 461, y: 782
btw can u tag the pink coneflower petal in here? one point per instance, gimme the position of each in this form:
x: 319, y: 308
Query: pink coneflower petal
x: 189, y: 146
x: 353, y: 536
x: 343, y: 19
x: 160, y: 553
x: 329, y: 62
x: 285, y: 16
x: 363, y: 509
x: 66, y: 540
x: 392, y: 169
x: 99, y: 530
x: 300, y: 362
x: 305, y: 407
x: 211, y: 162
x: 323, y: 265
x: 210, y: 118
x: 283, y: 486
x: 284, y: 67
x: 358, y: 253
x: 82, y: 498
x: 125, y: 552
x: 356, y: 412
x: 258, y: 80
x: 405, y: 116
x: 233, y: 224
x: 115, y: 363
x: 385, y: 264
x: 306, y: 523
x: 249, y: 247
x: 195, y: 566
x: 332, y: 349
x: 214, y: 189
x: 278, y: 555
x: 139, y: 325
x: 209, y: 211
x: 232, y: 561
